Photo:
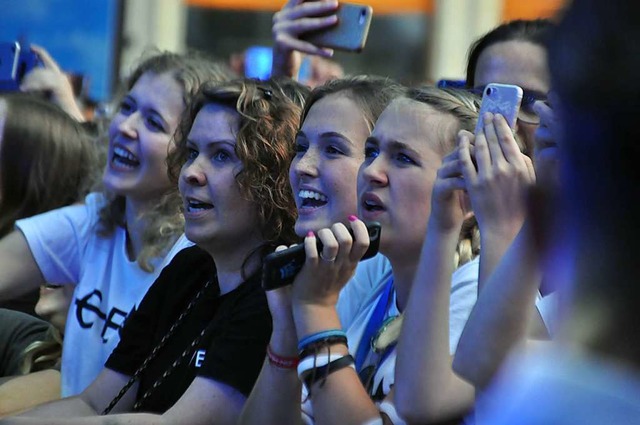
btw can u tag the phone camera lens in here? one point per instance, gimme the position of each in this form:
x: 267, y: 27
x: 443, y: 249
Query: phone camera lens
x: 363, y: 15
x: 489, y: 91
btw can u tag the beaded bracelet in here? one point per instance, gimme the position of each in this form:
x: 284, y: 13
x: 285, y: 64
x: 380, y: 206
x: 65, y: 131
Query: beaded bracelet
x: 280, y: 361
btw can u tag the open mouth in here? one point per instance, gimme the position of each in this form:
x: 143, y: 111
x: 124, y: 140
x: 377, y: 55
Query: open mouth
x: 123, y: 158
x: 369, y: 205
x: 194, y: 206
x: 312, y: 199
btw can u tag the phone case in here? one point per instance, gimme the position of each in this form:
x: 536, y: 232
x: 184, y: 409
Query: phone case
x: 280, y: 268
x: 503, y: 99
x: 349, y: 34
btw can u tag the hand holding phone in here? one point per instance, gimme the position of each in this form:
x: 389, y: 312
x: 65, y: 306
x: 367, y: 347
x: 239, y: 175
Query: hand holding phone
x: 349, y: 33
x: 280, y: 268
x: 503, y: 99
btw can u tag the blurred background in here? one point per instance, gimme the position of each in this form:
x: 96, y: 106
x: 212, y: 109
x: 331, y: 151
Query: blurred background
x: 97, y: 41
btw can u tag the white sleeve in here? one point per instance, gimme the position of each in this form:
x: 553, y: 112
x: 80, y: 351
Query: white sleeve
x: 58, y: 238
x: 369, y: 276
x: 464, y: 293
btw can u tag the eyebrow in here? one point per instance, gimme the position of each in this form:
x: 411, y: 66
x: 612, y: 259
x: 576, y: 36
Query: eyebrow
x: 209, y: 143
x: 328, y: 135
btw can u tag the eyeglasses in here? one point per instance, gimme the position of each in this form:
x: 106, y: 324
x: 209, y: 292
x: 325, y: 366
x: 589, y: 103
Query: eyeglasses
x: 529, y: 97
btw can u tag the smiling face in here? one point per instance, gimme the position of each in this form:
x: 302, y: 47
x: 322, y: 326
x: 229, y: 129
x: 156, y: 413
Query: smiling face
x: 515, y: 62
x: 139, y: 137
x: 402, y: 157
x: 323, y: 173
x: 217, y: 215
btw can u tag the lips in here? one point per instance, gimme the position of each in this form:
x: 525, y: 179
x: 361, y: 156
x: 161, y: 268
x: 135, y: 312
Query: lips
x: 310, y: 198
x: 194, y: 207
x: 370, y: 202
x: 123, y: 158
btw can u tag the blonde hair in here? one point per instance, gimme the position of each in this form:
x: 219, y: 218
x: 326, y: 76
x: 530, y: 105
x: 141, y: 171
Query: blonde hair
x: 44, y: 354
x: 464, y: 107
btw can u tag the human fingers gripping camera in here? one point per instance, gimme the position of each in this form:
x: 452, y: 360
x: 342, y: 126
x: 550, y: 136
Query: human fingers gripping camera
x: 497, y: 176
x: 50, y: 79
x: 294, y: 19
x: 326, y: 272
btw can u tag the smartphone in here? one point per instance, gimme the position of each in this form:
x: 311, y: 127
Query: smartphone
x: 280, y: 268
x: 15, y: 63
x: 503, y: 99
x: 349, y: 33
x: 9, y: 56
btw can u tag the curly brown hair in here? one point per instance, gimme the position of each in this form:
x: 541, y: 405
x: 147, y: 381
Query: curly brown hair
x: 269, y: 119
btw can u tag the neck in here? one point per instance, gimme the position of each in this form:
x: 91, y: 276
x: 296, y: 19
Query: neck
x: 403, y: 273
x: 135, y: 226
x: 230, y: 264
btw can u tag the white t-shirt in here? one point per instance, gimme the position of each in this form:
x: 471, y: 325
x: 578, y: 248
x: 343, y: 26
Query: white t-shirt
x: 360, y: 296
x: 562, y: 386
x: 68, y: 249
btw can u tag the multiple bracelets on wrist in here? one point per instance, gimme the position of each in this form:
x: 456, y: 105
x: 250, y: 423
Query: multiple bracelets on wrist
x: 311, y: 365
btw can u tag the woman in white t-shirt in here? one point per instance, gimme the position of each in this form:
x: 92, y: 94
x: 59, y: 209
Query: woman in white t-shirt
x: 112, y: 246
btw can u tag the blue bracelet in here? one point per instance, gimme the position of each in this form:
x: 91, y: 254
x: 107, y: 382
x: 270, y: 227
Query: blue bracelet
x: 318, y: 336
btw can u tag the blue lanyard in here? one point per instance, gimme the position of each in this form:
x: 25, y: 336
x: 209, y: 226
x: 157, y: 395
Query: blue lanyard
x: 375, y: 321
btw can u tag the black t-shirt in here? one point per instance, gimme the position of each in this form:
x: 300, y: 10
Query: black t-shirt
x: 17, y: 331
x: 232, y: 350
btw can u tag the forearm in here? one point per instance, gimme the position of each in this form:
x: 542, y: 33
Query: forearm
x: 426, y: 387
x: 501, y: 315
x: 340, y: 397
x: 494, y: 246
x: 275, y: 398
x: 121, y: 419
x: 27, y: 391
x: 59, y: 410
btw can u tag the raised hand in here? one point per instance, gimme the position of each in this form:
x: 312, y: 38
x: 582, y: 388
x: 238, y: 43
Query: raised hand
x: 498, y: 180
x: 295, y: 18
x: 51, y: 80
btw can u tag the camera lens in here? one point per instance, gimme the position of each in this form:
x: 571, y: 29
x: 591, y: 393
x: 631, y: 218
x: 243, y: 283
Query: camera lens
x: 489, y: 91
x: 363, y: 14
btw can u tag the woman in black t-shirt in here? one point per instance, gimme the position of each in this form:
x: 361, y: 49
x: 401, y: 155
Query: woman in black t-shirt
x: 194, y: 347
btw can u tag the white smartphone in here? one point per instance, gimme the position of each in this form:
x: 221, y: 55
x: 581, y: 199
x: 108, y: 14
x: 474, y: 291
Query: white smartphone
x: 503, y: 99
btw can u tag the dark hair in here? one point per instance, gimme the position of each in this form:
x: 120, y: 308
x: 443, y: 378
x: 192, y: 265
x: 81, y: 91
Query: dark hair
x: 371, y: 93
x: 47, y: 159
x: 534, y: 31
x: 269, y: 121
x: 165, y: 222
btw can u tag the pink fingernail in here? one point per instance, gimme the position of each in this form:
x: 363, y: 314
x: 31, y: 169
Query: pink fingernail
x: 352, y: 218
x: 310, y: 234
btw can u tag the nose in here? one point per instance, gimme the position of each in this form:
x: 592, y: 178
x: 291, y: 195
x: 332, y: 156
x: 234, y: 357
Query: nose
x: 307, y: 164
x: 192, y: 174
x: 129, y: 125
x: 375, y: 172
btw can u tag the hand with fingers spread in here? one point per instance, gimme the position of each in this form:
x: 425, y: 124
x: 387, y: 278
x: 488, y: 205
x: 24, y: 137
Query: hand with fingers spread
x: 295, y: 18
x: 499, y: 177
x: 325, y: 273
x: 50, y: 79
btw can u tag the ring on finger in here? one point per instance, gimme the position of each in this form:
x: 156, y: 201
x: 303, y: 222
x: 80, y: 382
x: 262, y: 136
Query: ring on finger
x: 328, y: 260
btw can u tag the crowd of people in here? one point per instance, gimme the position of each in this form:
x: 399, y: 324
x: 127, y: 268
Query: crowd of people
x: 131, y: 252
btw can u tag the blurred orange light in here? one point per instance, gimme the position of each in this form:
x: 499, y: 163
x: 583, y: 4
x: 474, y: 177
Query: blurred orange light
x: 381, y: 7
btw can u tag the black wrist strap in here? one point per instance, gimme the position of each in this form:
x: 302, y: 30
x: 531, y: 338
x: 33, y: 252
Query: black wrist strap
x: 321, y: 373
